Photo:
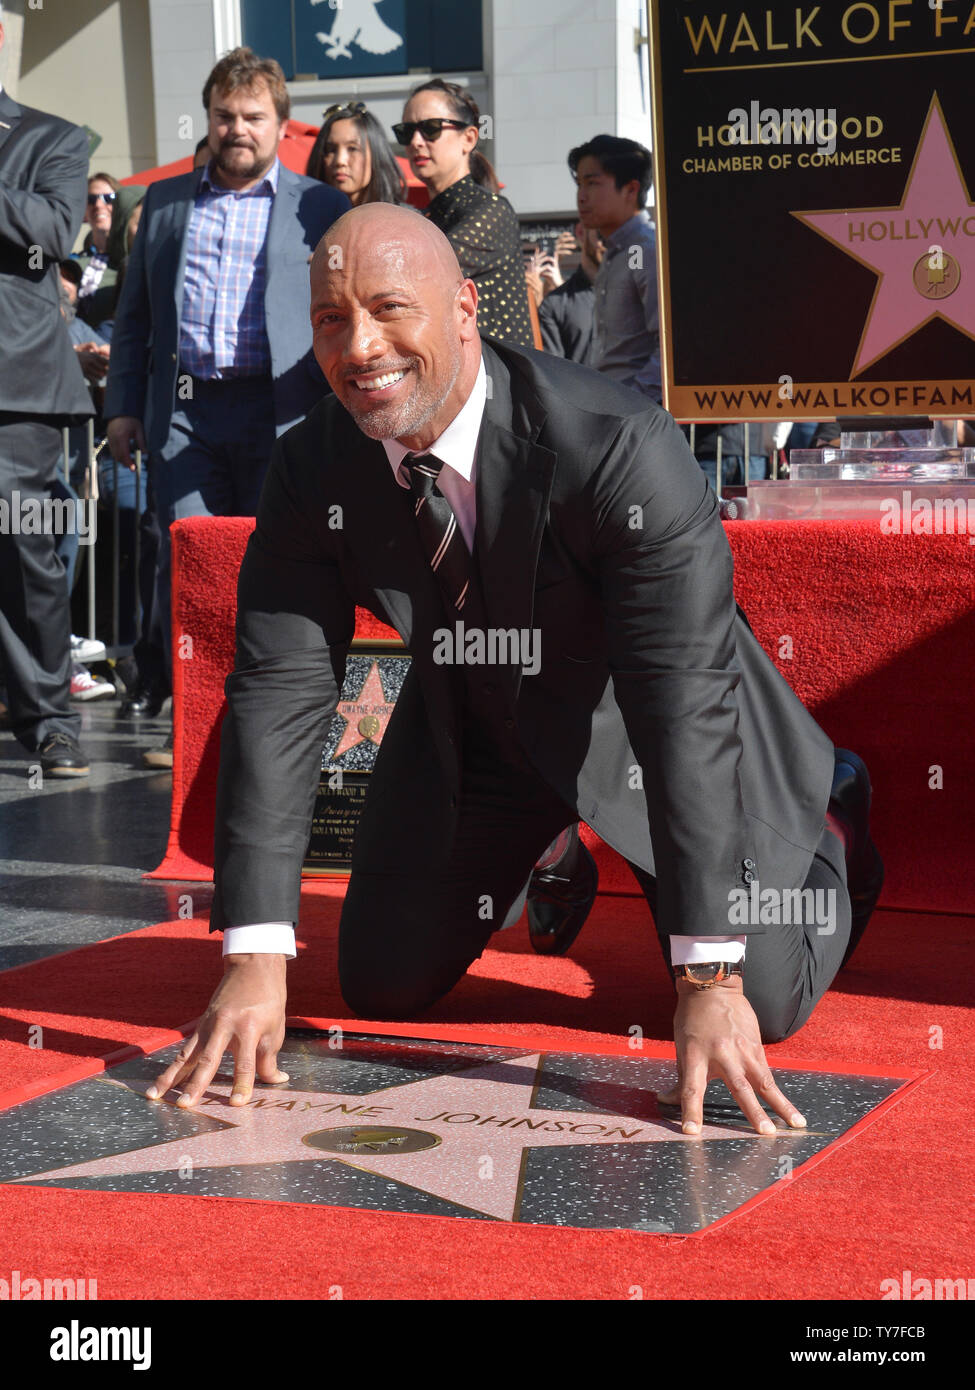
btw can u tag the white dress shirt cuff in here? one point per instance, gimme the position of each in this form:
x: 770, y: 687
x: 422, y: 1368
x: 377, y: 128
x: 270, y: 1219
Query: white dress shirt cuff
x: 263, y: 938
x: 702, y: 950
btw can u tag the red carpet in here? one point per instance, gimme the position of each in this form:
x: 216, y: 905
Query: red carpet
x: 897, y: 1196
x: 881, y: 635
x: 875, y: 633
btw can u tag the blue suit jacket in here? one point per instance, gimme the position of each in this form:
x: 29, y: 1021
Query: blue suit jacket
x: 142, y: 378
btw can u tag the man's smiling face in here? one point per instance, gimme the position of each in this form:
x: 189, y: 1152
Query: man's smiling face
x: 394, y: 323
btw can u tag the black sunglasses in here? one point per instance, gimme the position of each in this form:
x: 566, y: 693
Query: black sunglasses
x: 93, y: 199
x: 430, y: 130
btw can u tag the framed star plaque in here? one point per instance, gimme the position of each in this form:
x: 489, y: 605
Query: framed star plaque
x: 814, y: 168
x: 374, y: 676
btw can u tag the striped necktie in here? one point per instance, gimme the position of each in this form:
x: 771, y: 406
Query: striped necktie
x: 440, y: 535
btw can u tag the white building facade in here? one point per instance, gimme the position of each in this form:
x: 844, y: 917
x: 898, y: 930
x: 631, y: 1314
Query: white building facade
x: 546, y: 74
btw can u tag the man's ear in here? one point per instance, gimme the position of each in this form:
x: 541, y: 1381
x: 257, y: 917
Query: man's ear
x: 465, y: 307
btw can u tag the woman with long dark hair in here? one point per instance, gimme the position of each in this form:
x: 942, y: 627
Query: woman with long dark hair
x: 352, y: 154
x: 439, y: 131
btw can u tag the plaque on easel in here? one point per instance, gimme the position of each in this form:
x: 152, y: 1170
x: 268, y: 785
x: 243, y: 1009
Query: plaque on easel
x: 374, y: 675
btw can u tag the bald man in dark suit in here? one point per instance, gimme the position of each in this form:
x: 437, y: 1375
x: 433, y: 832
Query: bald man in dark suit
x: 548, y: 548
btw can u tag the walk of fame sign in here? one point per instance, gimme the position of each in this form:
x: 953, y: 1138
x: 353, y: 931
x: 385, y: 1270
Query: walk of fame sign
x: 374, y: 676
x: 426, y: 1127
x: 813, y: 174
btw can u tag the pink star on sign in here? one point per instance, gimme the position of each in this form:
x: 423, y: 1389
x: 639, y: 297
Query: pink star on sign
x: 920, y: 250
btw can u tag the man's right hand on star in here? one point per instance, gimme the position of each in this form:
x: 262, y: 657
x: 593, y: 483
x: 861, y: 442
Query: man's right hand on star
x: 246, y: 1015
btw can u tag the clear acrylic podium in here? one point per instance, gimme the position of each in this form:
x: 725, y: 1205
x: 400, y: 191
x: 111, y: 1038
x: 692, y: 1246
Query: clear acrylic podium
x: 862, y: 478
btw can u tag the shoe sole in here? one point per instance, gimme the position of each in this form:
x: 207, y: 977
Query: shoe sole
x: 65, y: 771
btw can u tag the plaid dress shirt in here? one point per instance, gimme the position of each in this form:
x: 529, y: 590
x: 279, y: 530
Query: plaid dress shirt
x: 222, y: 330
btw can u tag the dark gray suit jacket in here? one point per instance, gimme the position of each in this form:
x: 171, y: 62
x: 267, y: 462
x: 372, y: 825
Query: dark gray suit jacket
x: 596, y: 527
x: 43, y: 185
x: 144, y: 367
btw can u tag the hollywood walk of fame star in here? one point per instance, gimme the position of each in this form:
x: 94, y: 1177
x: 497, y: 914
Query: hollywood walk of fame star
x: 463, y: 1137
x: 366, y: 716
x: 919, y: 249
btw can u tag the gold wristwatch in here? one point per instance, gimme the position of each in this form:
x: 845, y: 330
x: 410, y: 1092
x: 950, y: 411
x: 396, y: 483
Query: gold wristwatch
x: 705, y: 975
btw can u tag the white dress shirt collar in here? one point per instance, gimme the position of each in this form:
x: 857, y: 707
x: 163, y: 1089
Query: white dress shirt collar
x: 456, y: 447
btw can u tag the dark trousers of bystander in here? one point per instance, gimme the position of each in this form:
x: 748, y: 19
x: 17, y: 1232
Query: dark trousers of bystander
x: 35, y: 623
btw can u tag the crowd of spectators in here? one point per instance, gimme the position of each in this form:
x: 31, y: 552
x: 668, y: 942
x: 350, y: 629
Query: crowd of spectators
x: 239, y: 331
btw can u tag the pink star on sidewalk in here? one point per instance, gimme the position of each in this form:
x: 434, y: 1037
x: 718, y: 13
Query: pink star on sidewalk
x: 463, y: 1137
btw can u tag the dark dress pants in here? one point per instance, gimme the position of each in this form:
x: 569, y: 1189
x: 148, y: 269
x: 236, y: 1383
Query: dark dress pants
x: 35, y: 620
x: 406, y: 939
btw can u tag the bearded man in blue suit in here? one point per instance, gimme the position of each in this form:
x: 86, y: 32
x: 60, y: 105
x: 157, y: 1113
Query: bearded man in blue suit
x: 211, y: 353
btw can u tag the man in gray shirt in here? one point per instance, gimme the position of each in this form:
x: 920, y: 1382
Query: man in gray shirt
x: 613, y: 178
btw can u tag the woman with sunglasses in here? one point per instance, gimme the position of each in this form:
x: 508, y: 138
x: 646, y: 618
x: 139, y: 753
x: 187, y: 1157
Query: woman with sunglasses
x: 439, y: 132
x: 352, y: 154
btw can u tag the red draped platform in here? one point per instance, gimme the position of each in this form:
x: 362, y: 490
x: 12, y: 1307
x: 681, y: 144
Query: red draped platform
x: 875, y: 633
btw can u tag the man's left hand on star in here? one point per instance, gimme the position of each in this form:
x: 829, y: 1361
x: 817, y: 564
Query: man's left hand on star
x: 718, y: 1038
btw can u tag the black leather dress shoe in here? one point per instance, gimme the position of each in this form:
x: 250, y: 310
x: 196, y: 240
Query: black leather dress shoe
x: 142, y: 703
x: 61, y: 756
x: 850, y: 799
x: 560, y: 898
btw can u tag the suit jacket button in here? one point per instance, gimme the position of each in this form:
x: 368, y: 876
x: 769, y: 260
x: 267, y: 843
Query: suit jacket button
x: 748, y: 876
x: 509, y: 723
x: 489, y: 690
x: 748, y: 863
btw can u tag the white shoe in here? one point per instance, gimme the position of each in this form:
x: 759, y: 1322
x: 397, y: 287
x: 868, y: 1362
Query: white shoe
x: 84, y: 686
x: 87, y: 649
x: 159, y: 758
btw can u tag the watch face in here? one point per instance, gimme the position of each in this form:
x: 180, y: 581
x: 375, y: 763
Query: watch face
x: 703, y: 974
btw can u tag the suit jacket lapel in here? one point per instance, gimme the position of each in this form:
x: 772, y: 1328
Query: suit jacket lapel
x: 10, y: 117
x: 389, y: 557
x: 180, y: 211
x: 385, y: 544
x: 283, y: 216
x: 514, y: 484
